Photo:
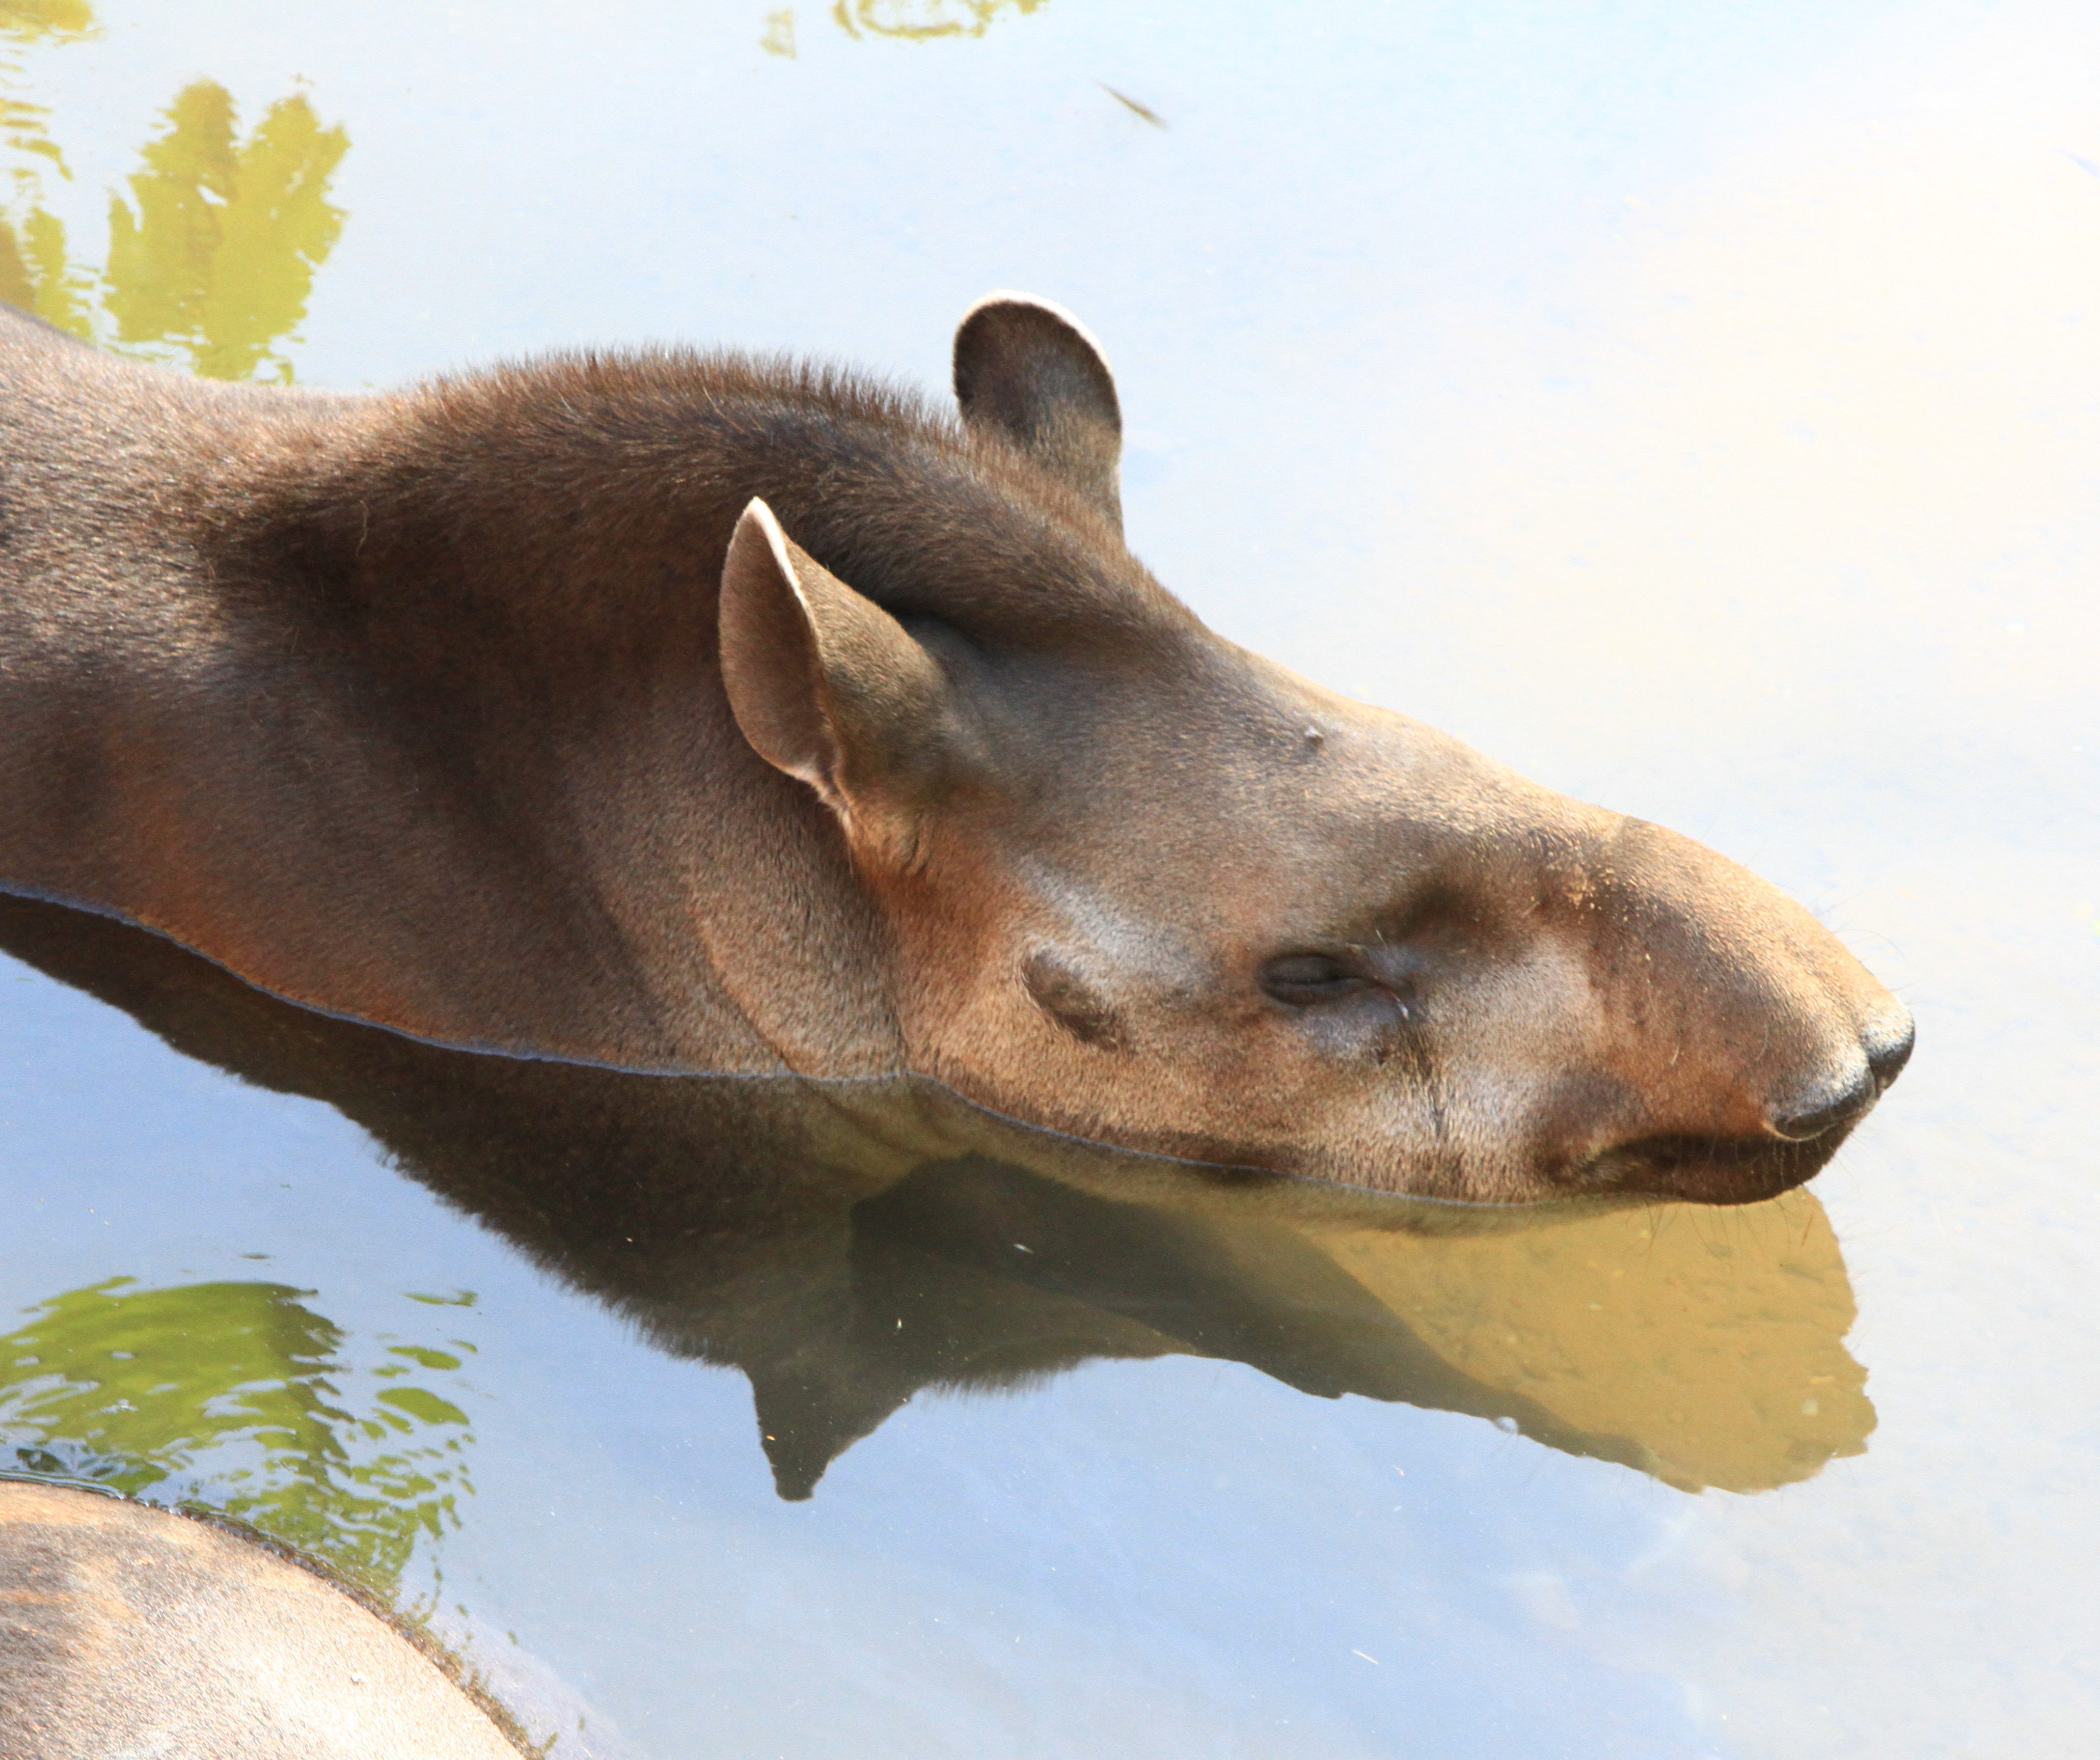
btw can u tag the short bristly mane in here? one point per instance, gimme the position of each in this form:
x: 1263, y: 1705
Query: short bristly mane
x: 581, y: 485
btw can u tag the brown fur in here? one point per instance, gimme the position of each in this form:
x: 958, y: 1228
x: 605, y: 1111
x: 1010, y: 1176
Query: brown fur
x: 496, y: 712
x: 127, y: 1629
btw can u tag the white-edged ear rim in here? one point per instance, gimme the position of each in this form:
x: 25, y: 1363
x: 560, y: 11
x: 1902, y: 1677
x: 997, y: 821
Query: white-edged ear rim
x: 802, y: 742
x: 826, y: 686
x: 1027, y: 370
x: 1063, y: 314
x: 776, y: 540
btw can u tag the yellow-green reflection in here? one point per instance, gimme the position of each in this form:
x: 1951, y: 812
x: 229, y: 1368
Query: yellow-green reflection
x: 779, y: 36
x: 229, y: 1396
x: 35, y: 272
x: 215, y: 258
x: 923, y: 20
x: 1711, y: 1344
x: 212, y: 245
x: 1706, y: 1350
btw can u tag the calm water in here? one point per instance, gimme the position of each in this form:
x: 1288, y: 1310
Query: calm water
x: 1699, y: 410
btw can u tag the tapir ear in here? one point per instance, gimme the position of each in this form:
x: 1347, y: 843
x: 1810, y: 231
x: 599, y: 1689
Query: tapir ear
x: 1030, y: 371
x: 827, y: 685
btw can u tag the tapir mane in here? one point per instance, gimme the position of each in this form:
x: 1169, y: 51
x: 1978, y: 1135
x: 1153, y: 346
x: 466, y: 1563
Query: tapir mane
x: 594, y: 488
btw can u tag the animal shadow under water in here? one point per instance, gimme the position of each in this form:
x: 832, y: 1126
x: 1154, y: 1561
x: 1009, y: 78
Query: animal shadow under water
x: 847, y: 1245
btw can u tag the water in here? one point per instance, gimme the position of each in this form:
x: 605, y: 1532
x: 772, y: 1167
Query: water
x: 1694, y: 410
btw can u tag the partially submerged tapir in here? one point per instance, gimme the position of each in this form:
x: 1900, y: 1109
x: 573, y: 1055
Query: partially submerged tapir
x: 847, y: 1245
x: 694, y: 712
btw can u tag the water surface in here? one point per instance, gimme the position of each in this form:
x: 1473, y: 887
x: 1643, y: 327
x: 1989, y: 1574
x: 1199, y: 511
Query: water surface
x: 1694, y: 409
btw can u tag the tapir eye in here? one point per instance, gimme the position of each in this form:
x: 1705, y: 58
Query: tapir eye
x: 1303, y: 979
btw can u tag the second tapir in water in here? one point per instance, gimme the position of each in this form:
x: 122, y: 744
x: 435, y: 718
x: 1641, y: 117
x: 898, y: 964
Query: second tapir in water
x: 689, y: 712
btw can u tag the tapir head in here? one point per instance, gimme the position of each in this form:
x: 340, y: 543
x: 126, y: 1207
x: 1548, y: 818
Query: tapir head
x: 1142, y: 886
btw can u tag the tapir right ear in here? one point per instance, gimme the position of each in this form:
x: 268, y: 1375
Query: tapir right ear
x: 1030, y: 372
x: 827, y: 685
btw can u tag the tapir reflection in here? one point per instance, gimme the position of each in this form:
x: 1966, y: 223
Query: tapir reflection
x: 848, y: 1244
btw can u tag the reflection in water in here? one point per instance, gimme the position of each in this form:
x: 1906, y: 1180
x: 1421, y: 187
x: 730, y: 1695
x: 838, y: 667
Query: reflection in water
x: 212, y: 255
x: 231, y: 1396
x: 215, y: 258
x: 846, y: 1245
x: 1635, y: 1336
x: 35, y: 272
x: 922, y: 20
x: 913, y: 20
x: 1708, y: 1346
x: 778, y: 36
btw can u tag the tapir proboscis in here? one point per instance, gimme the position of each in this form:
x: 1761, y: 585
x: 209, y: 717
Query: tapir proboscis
x: 688, y: 711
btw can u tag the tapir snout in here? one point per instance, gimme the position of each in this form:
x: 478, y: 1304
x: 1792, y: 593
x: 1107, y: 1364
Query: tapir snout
x: 1735, y: 1041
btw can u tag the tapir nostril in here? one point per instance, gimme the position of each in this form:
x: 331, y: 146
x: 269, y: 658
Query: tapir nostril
x: 1826, y: 1116
x: 1888, y: 1046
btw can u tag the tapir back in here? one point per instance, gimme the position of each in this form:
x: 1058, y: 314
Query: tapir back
x: 202, y: 731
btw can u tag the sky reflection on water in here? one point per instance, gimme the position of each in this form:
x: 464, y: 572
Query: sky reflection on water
x: 1693, y: 408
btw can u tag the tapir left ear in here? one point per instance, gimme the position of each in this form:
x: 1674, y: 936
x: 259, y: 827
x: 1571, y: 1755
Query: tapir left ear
x: 1030, y: 372
x: 827, y: 685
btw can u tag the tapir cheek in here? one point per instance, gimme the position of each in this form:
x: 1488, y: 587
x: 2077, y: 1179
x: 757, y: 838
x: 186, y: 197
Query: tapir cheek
x: 1533, y: 1008
x: 1579, y: 1114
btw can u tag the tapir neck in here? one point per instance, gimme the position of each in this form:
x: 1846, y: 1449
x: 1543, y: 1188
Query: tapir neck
x: 307, y: 684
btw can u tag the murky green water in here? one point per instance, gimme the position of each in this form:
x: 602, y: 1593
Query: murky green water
x: 1696, y: 408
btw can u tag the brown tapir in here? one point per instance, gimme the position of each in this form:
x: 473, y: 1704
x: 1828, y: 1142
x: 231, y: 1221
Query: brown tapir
x: 128, y: 1630
x: 684, y: 712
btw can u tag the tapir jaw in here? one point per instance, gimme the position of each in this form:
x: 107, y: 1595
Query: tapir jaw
x: 1703, y: 1170
x: 1793, y: 1148
x: 1729, y: 1044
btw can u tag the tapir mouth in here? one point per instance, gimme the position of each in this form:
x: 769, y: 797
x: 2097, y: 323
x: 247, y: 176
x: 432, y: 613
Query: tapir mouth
x: 1707, y: 1170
